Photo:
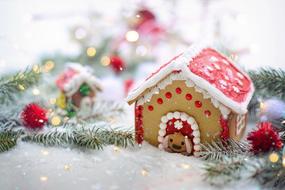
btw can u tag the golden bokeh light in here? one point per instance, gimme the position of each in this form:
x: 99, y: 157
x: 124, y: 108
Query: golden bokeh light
x: 91, y: 52
x: 36, y: 92
x: 273, y: 157
x: 21, y: 87
x: 105, y: 61
x: 144, y: 172
x: 52, y: 101
x: 55, y: 120
x: 48, y: 66
x: 132, y: 36
x: 43, y: 178
x: 36, y: 69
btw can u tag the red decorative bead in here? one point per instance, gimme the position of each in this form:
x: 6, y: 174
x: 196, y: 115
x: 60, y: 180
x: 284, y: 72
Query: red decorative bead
x: 140, y: 108
x: 159, y: 101
x: 178, y: 90
x: 150, y: 107
x: 198, y: 104
x: 188, y: 97
x: 168, y: 95
x: 207, y: 113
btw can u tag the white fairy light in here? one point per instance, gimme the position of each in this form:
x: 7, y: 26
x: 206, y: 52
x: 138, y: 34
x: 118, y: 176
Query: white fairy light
x: 132, y: 36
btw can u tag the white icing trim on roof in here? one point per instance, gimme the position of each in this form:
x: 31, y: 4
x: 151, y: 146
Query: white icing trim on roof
x: 179, y: 64
x: 78, y: 79
x: 180, y: 76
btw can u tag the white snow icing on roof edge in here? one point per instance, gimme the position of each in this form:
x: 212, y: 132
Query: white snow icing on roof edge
x: 179, y: 63
x: 83, y: 76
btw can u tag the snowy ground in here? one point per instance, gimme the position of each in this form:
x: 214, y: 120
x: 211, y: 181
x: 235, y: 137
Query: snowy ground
x: 34, y: 167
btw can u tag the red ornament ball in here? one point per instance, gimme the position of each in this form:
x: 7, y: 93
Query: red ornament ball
x: 264, y: 139
x: 144, y: 15
x: 33, y: 116
x: 117, y: 64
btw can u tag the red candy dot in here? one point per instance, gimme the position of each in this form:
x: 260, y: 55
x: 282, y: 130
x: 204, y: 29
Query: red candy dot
x: 150, y: 107
x: 168, y: 95
x: 188, y: 97
x: 159, y: 101
x: 198, y: 104
x: 207, y: 113
x: 178, y: 90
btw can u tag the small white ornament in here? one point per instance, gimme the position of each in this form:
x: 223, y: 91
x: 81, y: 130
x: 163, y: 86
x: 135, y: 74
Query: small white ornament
x: 160, y: 146
x: 164, y: 119
x: 162, y: 126
x: 176, y: 115
x: 191, y: 121
x: 196, y: 140
x: 178, y: 125
x: 169, y: 115
x: 196, y: 133
x: 197, y: 147
x: 161, y: 133
x: 183, y: 117
x: 194, y: 126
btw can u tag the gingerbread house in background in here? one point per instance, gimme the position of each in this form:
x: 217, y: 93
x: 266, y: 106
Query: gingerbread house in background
x: 78, y: 87
x: 199, y: 94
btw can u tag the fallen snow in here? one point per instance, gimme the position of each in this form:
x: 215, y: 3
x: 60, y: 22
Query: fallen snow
x: 34, y: 167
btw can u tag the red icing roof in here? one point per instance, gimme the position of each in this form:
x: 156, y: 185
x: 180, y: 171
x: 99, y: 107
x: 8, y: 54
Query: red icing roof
x: 222, y: 74
x: 65, y: 78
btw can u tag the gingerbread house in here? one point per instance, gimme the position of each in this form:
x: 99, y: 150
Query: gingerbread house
x: 78, y: 87
x: 197, y: 97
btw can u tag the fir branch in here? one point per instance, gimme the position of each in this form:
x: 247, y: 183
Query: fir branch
x: 88, y: 139
x: 219, y: 150
x: 117, y: 137
x: 13, y: 85
x: 269, y: 82
x: 270, y: 174
x: 224, y: 171
x: 7, y: 124
x: 51, y: 138
x: 8, y: 140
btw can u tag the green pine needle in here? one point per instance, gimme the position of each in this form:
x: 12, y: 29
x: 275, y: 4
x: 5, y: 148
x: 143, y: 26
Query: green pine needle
x: 8, y: 140
x: 88, y: 139
x: 118, y: 137
x: 13, y: 85
x: 94, y: 138
x: 219, y: 150
x: 51, y: 138
x: 269, y: 82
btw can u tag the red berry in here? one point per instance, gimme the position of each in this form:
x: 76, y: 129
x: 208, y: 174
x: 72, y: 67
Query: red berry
x: 198, y: 104
x: 178, y: 90
x: 159, y: 101
x: 188, y: 97
x: 168, y: 95
x: 207, y: 113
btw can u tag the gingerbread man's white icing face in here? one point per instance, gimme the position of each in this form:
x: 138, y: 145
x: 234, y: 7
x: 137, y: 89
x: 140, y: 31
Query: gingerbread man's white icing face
x: 176, y: 142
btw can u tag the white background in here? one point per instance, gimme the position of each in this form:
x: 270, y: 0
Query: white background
x: 30, y: 28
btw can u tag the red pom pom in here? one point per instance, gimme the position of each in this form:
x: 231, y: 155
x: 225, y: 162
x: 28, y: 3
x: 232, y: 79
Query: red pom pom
x: 117, y: 64
x: 33, y: 116
x: 264, y: 139
x: 144, y: 16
